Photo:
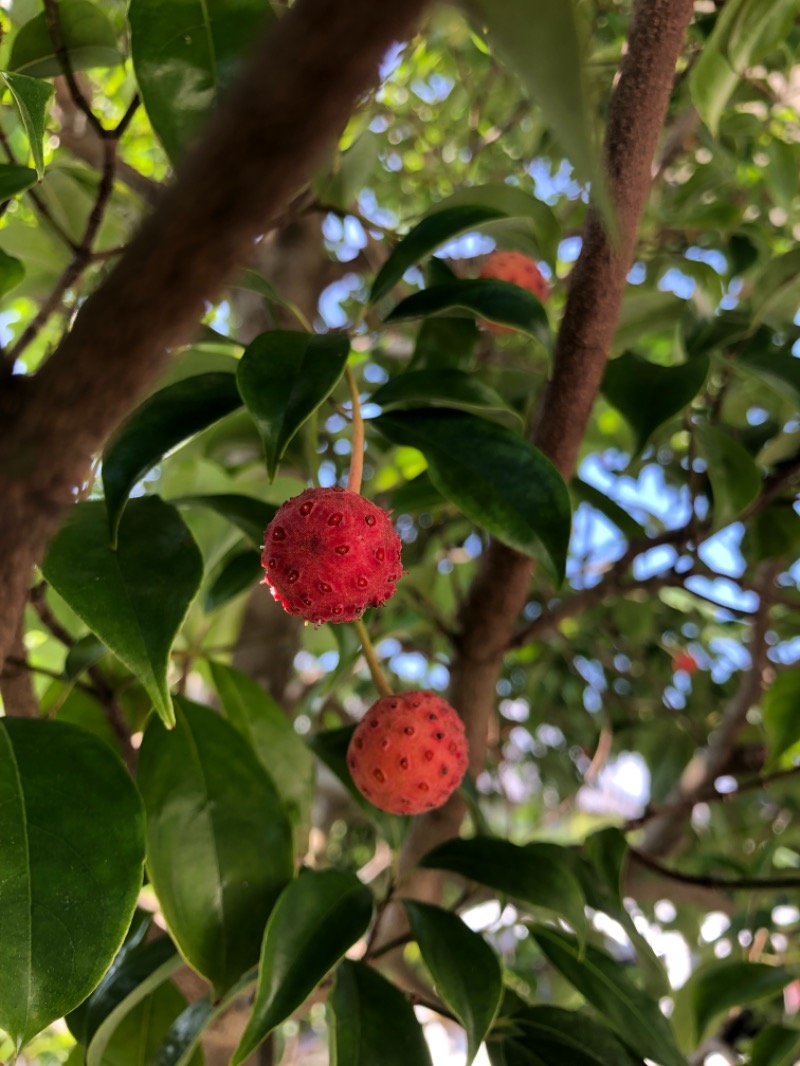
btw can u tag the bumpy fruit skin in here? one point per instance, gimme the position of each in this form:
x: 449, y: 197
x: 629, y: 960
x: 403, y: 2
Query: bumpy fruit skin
x: 329, y: 554
x: 409, y: 753
x: 518, y: 269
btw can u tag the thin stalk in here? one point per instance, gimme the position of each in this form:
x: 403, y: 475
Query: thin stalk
x: 378, y: 676
x: 357, y: 459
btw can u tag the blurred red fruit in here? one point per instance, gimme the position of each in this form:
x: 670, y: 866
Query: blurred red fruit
x: 520, y: 270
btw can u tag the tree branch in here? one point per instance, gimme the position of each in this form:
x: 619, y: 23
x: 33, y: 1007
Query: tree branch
x: 731, y: 884
x: 296, y: 94
x: 500, y: 589
x: 16, y: 686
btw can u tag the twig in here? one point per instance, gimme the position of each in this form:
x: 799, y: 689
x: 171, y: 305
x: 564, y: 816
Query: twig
x: 53, y: 19
x: 357, y: 453
x: 733, y: 884
x: 378, y: 676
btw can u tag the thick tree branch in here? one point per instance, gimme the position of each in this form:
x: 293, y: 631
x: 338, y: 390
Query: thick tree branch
x: 16, y: 685
x: 274, y: 128
x: 498, y: 594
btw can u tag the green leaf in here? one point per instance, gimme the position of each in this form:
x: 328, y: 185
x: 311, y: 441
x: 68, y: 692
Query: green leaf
x: 719, y: 985
x: 283, y: 377
x: 219, y: 846
x: 735, y: 478
x: 540, y: 230
x: 436, y: 228
x: 546, y: 48
x: 610, y: 509
x: 12, y: 271
x: 165, y: 420
x: 179, y: 1045
x: 353, y: 171
x: 271, y: 734
x: 71, y: 852
x: 248, y: 514
x: 87, y: 33
x: 772, y: 534
x: 316, y: 919
x: 331, y: 746
x: 443, y: 388
x: 488, y: 298
x: 556, y: 1037
x: 744, y: 30
x: 631, y: 1013
x: 185, y: 54
x: 14, y: 180
x: 31, y: 97
x: 644, y: 313
x: 778, y: 368
x: 372, y: 1021
x: 500, y: 481
x: 130, y: 981
x: 537, y: 874
x: 136, y: 597
x: 776, y: 1045
x: 464, y: 968
x: 779, y: 714
x: 240, y: 571
x: 776, y: 292
x: 84, y: 653
x: 444, y: 344
x: 648, y: 395
x: 138, y: 1036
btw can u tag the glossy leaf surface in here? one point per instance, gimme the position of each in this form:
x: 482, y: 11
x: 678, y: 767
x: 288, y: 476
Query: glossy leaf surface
x: 283, y: 377
x: 72, y: 853
x: 138, y: 1036
x: 165, y: 420
x: 185, y: 53
x: 551, y: 1036
x: 495, y: 477
x: 135, y: 598
x: 316, y: 919
x: 373, y: 1021
x: 219, y: 847
x: 537, y: 874
x: 14, y: 180
x: 465, y: 970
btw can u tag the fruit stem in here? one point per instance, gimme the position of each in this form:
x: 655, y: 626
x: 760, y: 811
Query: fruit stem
x: 357, y: 458
x: 378, y: 676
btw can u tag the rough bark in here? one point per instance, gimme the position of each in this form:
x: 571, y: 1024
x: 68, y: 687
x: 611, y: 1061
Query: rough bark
x: 16, y: 683
x: 275, y: 127
x: 635, y: 120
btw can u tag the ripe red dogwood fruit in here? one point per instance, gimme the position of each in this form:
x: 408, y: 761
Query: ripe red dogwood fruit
x: 329, y: 554
x: 520, y: 270
x: 409, y: 753
x: 684, y: 660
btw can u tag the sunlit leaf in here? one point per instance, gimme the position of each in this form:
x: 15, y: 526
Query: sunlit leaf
x: 779, y: 714
x: 31, y: 97
x: 87, y: 34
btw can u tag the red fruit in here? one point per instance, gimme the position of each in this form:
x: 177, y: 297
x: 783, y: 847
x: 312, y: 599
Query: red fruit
x: 685, y: 661
x: 518, y: 269
x: 329, y: 554
x: 409, y: 753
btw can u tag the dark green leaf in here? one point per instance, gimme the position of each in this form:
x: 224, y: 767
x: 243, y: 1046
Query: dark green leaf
x: 12, y: 271
x: 436, y: 228
x: 372, y: 1021
x: 632, y: 1014
x: 270, y: 732
x: 355, y: 167
x: 87, y: 33
x: 185, y: 53
x: 13, y: 180
x: 781, y: 174
x: 776, y: 1045
x: 500, y: 481
x: 135, y: 598
x: 250, y: 515
x: 219, y: 847
x: 165, y: 420
x: 71, y: 853
x: 139, y: 1034
x: 316, y: 919
x: 779, y: 706
x: 31, y: 97
x: 735, y: 478
x: 546, y: 48
x: 183, y: 1037
x: 720, y: 985
x: 443, y: 388
x: 83, y: 654
x: 240, y: 571
x: 772, y: 534
x: 776, y: 293
x: 464, y: 968
x: 778, y: 368
x: 647, y: 394
x: 628, y: 526
x: 445, y: 344
x: 331, y: 747
x: 283, y: 377
x: 644, y: 313
x: 556, y: 1037
x: 490, y: 299
x: 127, y: 985
x: 537, y: 874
